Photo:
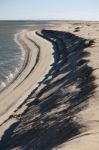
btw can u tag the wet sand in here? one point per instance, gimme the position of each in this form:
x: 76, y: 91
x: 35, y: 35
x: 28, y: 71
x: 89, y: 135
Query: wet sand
x: 56, y: 105
x: 18, y: 91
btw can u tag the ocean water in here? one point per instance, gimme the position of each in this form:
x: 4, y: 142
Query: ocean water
x: 11, y: 54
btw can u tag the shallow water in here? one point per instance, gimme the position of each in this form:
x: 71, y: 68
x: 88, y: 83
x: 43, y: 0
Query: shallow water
x: 11, y: 54
x: 11, y: 57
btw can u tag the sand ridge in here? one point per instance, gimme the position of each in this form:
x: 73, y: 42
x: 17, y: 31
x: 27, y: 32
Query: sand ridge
x: 65, y: 111
x: 19, y: 90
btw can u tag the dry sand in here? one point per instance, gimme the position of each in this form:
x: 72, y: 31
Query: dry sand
x: 66, y: 117
x: 88, y: 140
x: 18, y: 91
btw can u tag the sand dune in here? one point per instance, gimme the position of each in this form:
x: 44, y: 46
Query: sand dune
x: 60, y: 90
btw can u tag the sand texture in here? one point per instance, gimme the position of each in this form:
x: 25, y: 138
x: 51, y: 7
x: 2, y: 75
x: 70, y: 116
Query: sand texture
x: 53, y: 103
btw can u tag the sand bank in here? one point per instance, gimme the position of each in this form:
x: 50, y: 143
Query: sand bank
x: 19, y: 90
x: 63, y: 111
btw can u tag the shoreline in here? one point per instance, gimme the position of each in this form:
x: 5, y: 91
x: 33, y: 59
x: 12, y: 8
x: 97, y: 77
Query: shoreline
x: 21, y: 68
x: 31, y: 62
x: 62, y: 109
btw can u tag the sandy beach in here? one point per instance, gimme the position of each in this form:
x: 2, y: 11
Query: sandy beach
x: 53, y: 103
x: 12, y: 97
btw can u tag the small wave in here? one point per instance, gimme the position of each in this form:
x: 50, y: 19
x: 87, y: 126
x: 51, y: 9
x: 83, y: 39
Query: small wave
x: 9, y: 78
x: 12, y: 71
x: 21, y: 47
x: 2, y: 85
x: 16, y: 70
x: 11, y: 75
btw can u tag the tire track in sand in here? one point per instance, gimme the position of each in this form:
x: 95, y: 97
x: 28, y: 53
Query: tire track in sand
x: 11, y: 99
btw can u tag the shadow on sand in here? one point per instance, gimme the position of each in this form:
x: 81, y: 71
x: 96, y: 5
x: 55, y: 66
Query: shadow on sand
x: 50, y: 119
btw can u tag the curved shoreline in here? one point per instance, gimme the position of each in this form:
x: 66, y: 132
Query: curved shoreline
x: 24, y: 61
x: 22, y: 48
x: 23, y: 89
x: 63, y: 111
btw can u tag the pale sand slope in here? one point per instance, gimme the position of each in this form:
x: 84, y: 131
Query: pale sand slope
x: 88, y: 140
x: 19, y: 90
